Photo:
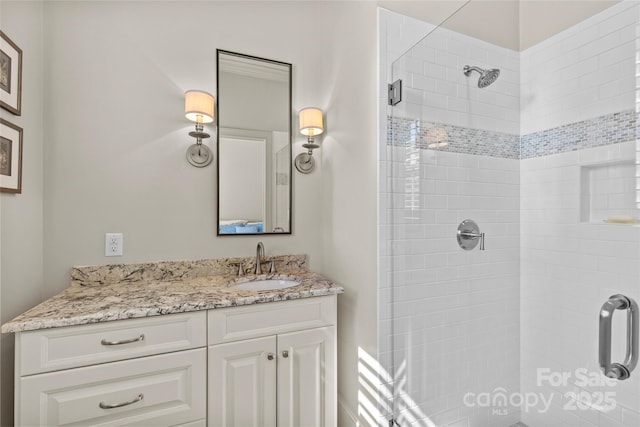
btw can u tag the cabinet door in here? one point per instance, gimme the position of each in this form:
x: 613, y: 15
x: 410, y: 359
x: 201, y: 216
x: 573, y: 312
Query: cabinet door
x: 307, y: 378
x: 242, y: 383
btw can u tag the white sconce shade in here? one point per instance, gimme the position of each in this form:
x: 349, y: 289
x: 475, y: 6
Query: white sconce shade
x: 198, y: 106
x: 311, y: 125
x: 311, y: 121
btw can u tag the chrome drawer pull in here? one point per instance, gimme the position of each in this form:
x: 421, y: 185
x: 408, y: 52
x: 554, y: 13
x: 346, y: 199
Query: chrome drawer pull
x: 120, y: 405
x: 105, y: 342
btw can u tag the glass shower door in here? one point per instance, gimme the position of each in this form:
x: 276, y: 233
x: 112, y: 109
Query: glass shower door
x: 536, y: 146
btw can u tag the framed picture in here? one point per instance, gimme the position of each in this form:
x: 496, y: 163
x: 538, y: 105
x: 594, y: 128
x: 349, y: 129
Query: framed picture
x: 10, y: 157
x: 10, y: 75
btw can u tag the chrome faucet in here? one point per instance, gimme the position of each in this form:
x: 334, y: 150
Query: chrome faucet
x: 259, y: 257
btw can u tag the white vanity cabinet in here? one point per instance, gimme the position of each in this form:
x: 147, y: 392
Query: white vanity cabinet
x: 273, y: 365
x: 253, y: 365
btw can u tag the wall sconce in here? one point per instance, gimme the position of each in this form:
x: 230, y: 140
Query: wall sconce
x: 310, y: 126
x: 198, y: 107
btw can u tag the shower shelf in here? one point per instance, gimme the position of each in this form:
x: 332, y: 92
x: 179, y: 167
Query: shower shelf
x: 608, y: 190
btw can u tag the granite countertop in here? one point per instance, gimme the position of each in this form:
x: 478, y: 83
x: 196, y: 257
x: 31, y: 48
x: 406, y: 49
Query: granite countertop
x: 106, y: 293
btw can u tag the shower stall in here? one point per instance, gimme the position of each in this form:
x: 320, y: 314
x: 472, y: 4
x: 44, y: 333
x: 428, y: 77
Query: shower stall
x: 509, y: 241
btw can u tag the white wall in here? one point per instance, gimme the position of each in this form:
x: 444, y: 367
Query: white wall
x: 117, y: 137
x: 114, y: 77
x: 21, y: 279
x: 348, y: 198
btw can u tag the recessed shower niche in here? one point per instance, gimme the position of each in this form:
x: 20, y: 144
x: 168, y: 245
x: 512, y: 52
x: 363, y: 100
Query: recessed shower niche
x: 608, y: 193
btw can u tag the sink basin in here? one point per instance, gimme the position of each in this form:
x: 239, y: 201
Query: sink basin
x: 266, y: 285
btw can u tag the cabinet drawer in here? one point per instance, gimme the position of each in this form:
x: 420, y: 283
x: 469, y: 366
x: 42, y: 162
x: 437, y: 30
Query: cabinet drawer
x: 61, y: 348
x: 258, y: 320
x: 163, y: 390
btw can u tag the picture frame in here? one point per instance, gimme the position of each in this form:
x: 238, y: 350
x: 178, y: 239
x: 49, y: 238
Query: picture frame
x: 10, y: 75
x: 10, y: 157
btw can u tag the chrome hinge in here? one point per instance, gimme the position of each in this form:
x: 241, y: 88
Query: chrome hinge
x: 395, y: 92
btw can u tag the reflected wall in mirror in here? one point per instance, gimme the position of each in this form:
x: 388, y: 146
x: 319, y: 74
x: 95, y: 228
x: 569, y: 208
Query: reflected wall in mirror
x: 254, y: 145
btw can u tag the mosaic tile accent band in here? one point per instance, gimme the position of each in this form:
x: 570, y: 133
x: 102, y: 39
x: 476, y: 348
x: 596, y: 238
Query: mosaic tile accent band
x: 604, y: 130
x: 609, y: 129
x: 455, y: 139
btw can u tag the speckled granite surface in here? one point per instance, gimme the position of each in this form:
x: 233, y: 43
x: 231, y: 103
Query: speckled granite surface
x: 105, y: 293
x: 176, y: 270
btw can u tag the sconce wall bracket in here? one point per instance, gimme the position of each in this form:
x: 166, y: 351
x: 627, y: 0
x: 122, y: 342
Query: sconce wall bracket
x: 305, y: 163
x: 199, y: 155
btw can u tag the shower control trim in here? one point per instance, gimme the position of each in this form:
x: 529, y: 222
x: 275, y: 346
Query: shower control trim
x: 469, y: 235
x: 618, y: 371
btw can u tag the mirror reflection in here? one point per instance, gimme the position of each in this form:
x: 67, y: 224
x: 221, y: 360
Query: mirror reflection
x: 254, y: 145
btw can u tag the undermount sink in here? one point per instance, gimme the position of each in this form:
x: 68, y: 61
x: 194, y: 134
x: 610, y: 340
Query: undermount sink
x: 266, y: 285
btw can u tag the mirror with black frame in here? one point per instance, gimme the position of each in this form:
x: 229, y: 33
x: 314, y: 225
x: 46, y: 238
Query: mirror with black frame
x: 254, y: 145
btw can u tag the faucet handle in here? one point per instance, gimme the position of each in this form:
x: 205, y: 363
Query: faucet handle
x: 240, y: 268
x: 272, y: 266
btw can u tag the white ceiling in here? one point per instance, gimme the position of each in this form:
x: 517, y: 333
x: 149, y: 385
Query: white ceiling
x: 514, y: 24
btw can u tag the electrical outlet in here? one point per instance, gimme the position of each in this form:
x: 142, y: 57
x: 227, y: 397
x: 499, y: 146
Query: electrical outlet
x: 113, y: 244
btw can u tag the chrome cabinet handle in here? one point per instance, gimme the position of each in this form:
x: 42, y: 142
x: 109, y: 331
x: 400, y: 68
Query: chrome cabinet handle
x: 619, y: 371
x: 270, y: 356
x: 120, y: 405
x: 105, y: 342
x: 285, y: 354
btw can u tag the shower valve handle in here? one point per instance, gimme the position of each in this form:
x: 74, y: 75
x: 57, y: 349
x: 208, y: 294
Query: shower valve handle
x: 469, y: 235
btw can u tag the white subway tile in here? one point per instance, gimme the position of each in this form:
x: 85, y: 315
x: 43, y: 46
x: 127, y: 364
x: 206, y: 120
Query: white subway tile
x: 423, y: 83
x: 446, y: 59
x: 435, y: 71
x: 424, y: 53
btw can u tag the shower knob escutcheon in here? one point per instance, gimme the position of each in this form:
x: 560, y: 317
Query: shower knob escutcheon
x: 469, y: 235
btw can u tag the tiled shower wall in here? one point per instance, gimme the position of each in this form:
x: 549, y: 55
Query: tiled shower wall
x: 578, y: 100
x: 437, y: 91
x: 583, y: 72
x: 455, y: 313
x: 569, y: 269
x: 450, y: 318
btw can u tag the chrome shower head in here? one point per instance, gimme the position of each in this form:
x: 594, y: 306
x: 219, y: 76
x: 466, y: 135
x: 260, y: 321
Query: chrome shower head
x: 486, y: 76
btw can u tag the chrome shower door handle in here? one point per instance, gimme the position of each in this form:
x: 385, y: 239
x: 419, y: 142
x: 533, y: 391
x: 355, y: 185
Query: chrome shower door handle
x: 619, y: 371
